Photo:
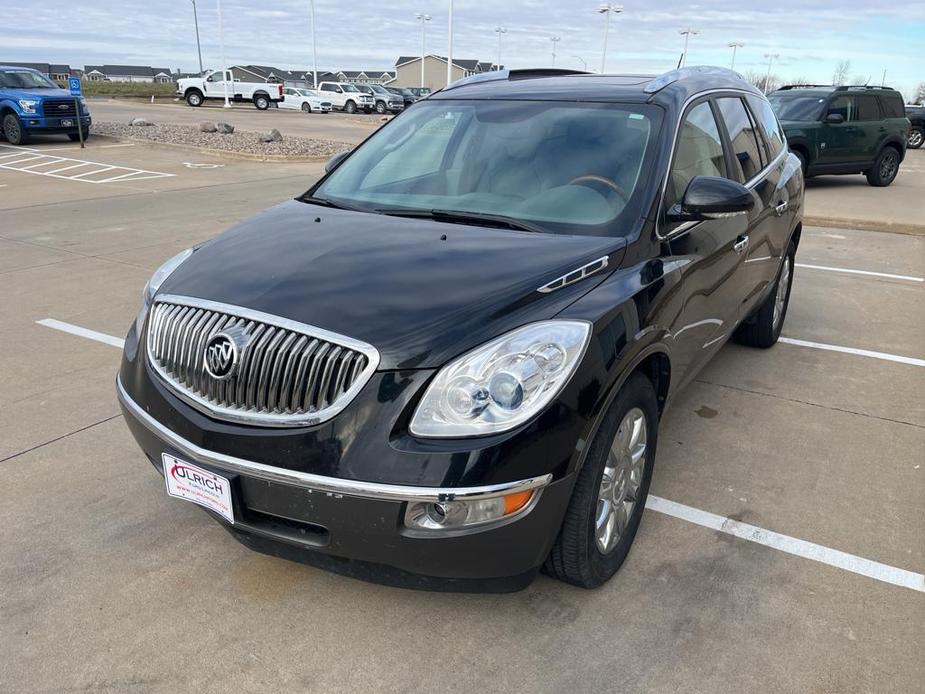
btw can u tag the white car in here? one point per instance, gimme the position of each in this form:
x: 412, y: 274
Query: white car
x: 213, y: 85
x: 305, y: 100
x: 346, y: 97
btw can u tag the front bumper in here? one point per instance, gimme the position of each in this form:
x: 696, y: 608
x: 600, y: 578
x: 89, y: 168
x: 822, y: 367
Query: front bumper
x: 36, y: 123
x: 357, y: 528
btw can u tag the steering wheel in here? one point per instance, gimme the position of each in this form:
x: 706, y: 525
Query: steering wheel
x: 610, y: 183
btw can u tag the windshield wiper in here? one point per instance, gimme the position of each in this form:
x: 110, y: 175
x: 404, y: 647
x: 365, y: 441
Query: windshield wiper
x: 464, y: 217
x: 327, y: 202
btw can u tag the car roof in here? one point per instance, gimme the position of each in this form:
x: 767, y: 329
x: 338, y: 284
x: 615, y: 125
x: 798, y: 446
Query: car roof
x: 18, y: 67
x: 827, y: 89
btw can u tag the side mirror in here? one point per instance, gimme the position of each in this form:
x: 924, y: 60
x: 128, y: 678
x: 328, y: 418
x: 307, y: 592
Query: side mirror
x: 712, y: 197
x: 335, y: 161
x: 834, y: 118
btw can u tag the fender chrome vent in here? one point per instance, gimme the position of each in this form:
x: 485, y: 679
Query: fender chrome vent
x: 575, y: 275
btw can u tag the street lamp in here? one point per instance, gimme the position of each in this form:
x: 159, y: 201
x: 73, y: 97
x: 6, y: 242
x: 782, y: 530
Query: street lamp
x: 449, y: 46
x: 607, y: 9
x: 198, y: 46
x: 500, y: 31
x: 221, y: 40
x: 584, y: 63
x: 686, y: 33
x: 423, y: 19
x: 314, y: 50
x: 767, y: 78
x: 733, y: 45
x: 555, y: 40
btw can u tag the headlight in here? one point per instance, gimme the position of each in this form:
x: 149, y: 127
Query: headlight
x: 27, y: 105
x: 503, y: 383
x: 459, y: 514
x: 157, y: 279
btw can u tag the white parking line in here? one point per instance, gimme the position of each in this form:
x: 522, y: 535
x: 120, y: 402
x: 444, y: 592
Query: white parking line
x: 744, y: 531
x: 37, y: 159
x: 851, y: 350
x: 908, y: 278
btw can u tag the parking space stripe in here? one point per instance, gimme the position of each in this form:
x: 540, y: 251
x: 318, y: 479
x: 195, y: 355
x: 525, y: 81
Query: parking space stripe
x: 21, y: 155
x: 82, y: 332
x: 887, y: 275
x: 790, y: 545
x: 851, y: 350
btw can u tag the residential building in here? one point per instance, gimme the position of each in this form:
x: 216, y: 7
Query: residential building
x: 57, y: 72
x: 366, y: 76
x: 127, y: 73
x: 408, y: 70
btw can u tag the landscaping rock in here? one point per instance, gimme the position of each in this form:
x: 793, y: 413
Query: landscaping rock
x: 140, y: 123
x: 224, y: 128
x: 273, y: 136
x: 207, y: 127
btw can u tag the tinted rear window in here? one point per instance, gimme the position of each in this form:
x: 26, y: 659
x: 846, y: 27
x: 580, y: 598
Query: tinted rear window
x: 892, y: 105
x: 867, y: 107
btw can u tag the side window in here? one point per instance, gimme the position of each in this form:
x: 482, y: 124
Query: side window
x: 868, y: 109
x: 843, y: 106
x: 215, y: 77
x: 892, y: 106
x: 770, y: 128
x: 699, y: 152
x: 742, y: 135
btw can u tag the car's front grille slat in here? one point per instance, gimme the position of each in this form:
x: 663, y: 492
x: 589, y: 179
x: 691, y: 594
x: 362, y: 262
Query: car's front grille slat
x: 285, y: 373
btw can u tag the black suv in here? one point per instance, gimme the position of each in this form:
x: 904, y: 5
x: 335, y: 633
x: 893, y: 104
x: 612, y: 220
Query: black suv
x: 444, y: 365
x: 844, y: 130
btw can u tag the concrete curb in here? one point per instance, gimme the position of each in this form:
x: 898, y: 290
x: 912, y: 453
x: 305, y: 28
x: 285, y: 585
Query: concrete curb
x: 865, y: 225
x: 281, y: 158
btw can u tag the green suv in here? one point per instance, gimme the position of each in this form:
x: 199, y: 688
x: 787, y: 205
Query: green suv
x: 844, y: 130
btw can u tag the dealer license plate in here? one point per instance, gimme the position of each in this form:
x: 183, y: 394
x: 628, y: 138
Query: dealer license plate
x: 193, y: 483
x: 67, y: 123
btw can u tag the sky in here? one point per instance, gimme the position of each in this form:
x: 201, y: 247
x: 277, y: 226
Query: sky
x: 810, y: 38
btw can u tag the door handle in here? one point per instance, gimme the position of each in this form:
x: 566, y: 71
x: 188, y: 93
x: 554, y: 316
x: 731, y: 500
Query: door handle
x: 781, y: 208
x: 741, y: 243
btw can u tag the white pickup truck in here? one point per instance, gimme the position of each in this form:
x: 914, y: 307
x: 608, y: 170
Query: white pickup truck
x: 195, y: 90
x: 346, y: 97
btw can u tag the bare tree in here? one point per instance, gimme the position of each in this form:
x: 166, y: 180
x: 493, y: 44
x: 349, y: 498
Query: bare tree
x: 858, y: 80
x: 919, y: 96
x: 762, y: 81
x: 841, y: 72
x: 799, y: 81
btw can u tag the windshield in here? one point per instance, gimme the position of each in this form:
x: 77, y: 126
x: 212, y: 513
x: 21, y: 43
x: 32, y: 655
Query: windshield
x: 306, y: 92
x: 379, y: 90
x: 25, y: 79
x: 556, y: 164
x: 349, y: 88
x: 797, y: 107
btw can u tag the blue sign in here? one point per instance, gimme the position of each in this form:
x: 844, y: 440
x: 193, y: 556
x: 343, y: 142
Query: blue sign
x: 74, y: 84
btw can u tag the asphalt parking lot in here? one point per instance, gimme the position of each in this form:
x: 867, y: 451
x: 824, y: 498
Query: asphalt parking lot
x: 783, y: 551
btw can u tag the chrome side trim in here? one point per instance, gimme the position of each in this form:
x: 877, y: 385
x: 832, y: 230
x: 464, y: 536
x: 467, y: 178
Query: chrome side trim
x: 575, y: 275
x: 320, y: 483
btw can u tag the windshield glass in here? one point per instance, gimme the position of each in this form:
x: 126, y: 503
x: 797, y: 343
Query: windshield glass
x: 560, y: 165
x: 349, y: 88
x: 379, y: 90
x: 797, y: 107
x: 25, y: 79
x: 306, y: 92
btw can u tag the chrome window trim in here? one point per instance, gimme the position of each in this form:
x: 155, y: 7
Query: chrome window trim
x: 751, y: 183
x: 264, y: 418
x: 319, y: 483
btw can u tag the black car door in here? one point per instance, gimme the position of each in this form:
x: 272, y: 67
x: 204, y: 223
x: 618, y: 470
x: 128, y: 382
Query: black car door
x: 704, y: 258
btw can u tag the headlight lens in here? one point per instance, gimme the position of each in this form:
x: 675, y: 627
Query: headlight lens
x: 503, y: 383
x: 27, y: 105
x: 458, y: 514
x: 157, y: 279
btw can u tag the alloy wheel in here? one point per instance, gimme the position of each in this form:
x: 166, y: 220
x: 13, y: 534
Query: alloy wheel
x: 11, y: 129
x: 623, y: 472
x: 915, y: 138
x: 888, y: 167
x: 780, y: 297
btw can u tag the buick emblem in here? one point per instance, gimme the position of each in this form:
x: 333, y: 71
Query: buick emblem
x: 223, y: 352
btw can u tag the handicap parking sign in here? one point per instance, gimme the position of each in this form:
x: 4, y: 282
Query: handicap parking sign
x: 74, y: 84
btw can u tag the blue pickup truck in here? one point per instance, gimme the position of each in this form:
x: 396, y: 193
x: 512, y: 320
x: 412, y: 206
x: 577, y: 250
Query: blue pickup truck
x: 31, y: 104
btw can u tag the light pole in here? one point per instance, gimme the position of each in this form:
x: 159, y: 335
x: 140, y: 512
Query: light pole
x: 607, y: 9
x: 686, y: 33
x: 733, y: 45
x: 584, y: 63
x: 555, y: 40
x: 198, y: 47
x: 449, y: 47
x: 221, y: 40
x: 314, y: 50
x: 500, y: 31
x: 423, y: 19
x: 767, y: 78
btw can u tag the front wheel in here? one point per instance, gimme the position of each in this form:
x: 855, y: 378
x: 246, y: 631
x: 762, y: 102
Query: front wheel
x: 350, y: 107
x: 194, y: 98
x: 763, y: 327
x: 306, y: 108
x: 611, y: 490
x: 262, y: 102
x: 916, y: 137
x: 885, y: 168
x: 13, y: 131
x: 380, y: 107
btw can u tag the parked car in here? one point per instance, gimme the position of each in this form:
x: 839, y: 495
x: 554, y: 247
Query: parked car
x: 407, y: 96
x: 213, y: 84
x: 844, y: 130
x: 346, y: 97
x: 304, y: 100
x: 385, y: 101
x: 31, y: 104
x: 445, y: 364
x: 916, y: 116
x: 419, y: 92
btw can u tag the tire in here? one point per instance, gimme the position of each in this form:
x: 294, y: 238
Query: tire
x: 13, y: 131
x: 350, y: 107
x: 584, y: 554
x: 916, y: 138
x: 763, y: 327
x: 262, y: 102
x: 885, y: 168
x: 194, y: 98
x: 380, y: 107
x: 306, y: 108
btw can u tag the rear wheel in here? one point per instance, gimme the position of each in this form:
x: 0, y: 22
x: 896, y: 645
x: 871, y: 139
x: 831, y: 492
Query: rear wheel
x: 380, y: 107
x: 262, y: 102
x: 306, y: 108
x: 194, y: 98
x: 13, y: 131
x: 763, y: 327
x: 885, y: 168
x: 350, y: 107
x: 916, y: 137
x: 611, y: 490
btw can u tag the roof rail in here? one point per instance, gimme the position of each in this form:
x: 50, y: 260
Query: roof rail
x: 848, y: 87
x: 525, y: 74
x: 672, y: 76
x: 787, y: 87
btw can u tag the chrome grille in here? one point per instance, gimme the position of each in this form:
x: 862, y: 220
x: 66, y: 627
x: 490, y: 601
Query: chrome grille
x: 287, y: 373
x: 58, y: 108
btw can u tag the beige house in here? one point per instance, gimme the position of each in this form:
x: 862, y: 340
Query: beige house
x: 408, y: 71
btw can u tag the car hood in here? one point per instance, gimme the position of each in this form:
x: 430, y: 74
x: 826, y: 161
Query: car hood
x: 36, y: 93
x: 418, y: 290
